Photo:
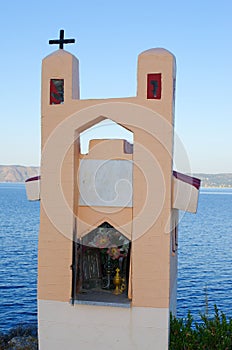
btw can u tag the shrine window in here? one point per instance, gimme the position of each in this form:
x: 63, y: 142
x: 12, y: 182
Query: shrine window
x: 102, y: 268
x: 56, y: 91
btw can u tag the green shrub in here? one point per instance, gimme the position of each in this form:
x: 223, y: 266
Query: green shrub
x: 211, y: 334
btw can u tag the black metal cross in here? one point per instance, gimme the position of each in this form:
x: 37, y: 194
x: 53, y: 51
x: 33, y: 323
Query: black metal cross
x: 62, y: 41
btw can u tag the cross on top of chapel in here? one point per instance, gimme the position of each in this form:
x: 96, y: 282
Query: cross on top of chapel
x: 61, y: 41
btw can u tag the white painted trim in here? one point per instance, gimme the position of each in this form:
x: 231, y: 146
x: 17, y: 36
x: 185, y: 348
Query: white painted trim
x: 33, y: 190
x: 185, y: 196
x: 63, y: 326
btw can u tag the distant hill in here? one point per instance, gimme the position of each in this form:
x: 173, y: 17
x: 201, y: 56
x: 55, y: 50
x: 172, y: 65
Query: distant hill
x: 215, y: 180
x: 17, y: 173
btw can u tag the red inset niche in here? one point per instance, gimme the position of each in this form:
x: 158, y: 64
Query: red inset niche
x: 154, y: 86
x: 56, y: 91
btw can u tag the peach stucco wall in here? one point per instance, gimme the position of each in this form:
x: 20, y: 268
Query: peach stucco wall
x: 149, y: 220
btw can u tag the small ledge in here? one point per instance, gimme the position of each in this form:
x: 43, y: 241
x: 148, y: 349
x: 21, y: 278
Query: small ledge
x: 103, y: 298
x: 102, y: 303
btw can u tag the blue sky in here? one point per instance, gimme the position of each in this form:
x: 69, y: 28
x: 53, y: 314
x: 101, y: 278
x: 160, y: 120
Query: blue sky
x: 109, y: 36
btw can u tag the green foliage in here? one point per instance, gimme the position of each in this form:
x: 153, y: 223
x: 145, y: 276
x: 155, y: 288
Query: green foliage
x: 211, y: 334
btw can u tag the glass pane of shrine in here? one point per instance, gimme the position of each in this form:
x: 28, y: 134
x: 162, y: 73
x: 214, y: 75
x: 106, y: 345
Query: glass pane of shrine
x: 103, y: 266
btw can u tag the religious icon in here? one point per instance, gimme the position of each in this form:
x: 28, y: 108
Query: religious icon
x: 56, y: 91
x: 154, y: 86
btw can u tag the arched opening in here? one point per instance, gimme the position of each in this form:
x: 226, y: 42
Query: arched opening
x: 103, y: 266
x: 106, y: 129
x: 101, y: 258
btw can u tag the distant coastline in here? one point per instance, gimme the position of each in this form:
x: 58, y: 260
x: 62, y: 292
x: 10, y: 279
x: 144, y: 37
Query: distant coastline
x: 19, y: 173
x: 223, y: 180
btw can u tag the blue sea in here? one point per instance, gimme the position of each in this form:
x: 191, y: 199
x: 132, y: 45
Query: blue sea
x: 205, y: 256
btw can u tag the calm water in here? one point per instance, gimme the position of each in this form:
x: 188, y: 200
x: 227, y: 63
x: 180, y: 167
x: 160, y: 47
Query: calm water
x: 205, y: 255
x: 19, y: 225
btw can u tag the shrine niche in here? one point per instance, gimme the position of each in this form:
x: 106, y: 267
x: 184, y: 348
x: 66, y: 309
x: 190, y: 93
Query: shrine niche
x: 103, y: 266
